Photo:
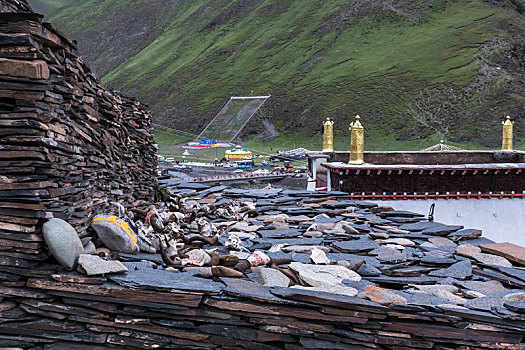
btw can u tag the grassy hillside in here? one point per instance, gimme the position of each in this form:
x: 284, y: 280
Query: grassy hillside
x: 47, y: 7
x: 415, y: 70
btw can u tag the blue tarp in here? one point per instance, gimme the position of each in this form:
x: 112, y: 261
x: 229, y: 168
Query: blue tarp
x: 208, y: 142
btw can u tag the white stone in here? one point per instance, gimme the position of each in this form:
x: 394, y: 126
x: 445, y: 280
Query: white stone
x: 399, y: 241
x: 319, y: 257
x: 273, y: 278
x: 199, y: 255
x: 63, y: 242
x: 334, y: 289
x: 95, y: 265
x: 322, y: 275
x: 303, y: 248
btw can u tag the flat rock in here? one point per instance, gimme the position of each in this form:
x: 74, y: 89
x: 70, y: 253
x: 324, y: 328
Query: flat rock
x: 266, y: 243
x: 355, y: 246
x: 384, y: 296
x: 322, y: 275
x: 404, y: 280
x: 515, y: 306
x: 519, y: 296
x: 485, y: 287
x: 333, y: 289
x: 282, y: 233
x: 273, y: 278
x: 476, y: 242
x: 328, y: 299
x: 484, y: 304
x: 401, y: 241
x: 467, y: 250
x: 490, y: 259
x: 442, y: 242
x: 443, y: 230
x: 192, y: 186
x: 368, y: 270
x: 459, y: 270
x: 468, y: 233
x: 400, y: 213
x: 95, y: 265
x: 510, y: 251
x: 431, y: 228
x: 323, y: 219
x: 63, y: 242
x: 165, y: 279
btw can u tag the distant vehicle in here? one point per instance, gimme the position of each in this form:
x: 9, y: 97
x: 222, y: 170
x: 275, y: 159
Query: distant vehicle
x: 160, y: 158
x: 301, y: 170
x: 265, y: 163
x: 170, y: 159
x: 244, y: 164
x: 261, y: 172
x: 238, y: 171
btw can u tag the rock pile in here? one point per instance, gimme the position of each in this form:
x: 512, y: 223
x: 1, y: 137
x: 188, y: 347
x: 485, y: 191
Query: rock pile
x: 268, y: 269
x: 68, y: 145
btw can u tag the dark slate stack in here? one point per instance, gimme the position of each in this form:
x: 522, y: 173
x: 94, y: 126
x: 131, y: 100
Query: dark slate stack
x: 68, y: 145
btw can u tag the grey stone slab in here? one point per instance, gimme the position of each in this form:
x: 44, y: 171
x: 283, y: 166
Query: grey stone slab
x: 353, y: 258
x: 299, y: 257
x: 434, y: 260
x: 442, y: 230
x: 192, y: 186
x: 512, y: 272
x: 485, y: 287
x: 328, y: 299
x: 422, y: 299
x: 365, y: 205
x: 459, y: 270
x: 402, y: 220
x: 164, y: 279
x: 515, y: 306
x: 324, y: 220
x: 468, y: 233
x: 156, y: 258
x: 394, y: 258
x: 252, y: 290
x: 354, y: 246
x: 476, y: 242
x: 368, y: 270
x: 280, y: 233
x: 138, y: 265
x: 400, y: 213
x: 266, y: 243
x: 360, y: 286
x: 211, y: 190
x: 483, y: 304
x: 339, y: 204
x: 404, y: 280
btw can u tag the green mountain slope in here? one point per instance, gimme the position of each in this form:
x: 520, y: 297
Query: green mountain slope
x: 47, y: 7
x: 415, y: 70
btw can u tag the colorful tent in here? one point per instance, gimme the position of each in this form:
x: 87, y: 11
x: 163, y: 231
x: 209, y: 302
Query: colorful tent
x: 236, y: 154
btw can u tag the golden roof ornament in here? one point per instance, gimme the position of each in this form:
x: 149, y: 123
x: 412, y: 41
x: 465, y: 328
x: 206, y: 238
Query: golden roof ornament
x: 506, y: 144
x: 328, y: 135
x: 357, y: 142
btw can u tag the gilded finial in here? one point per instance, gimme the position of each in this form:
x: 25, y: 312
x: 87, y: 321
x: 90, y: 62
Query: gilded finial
x: 506, y: 144
x: 357, y: 142
x: 328, y: 135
